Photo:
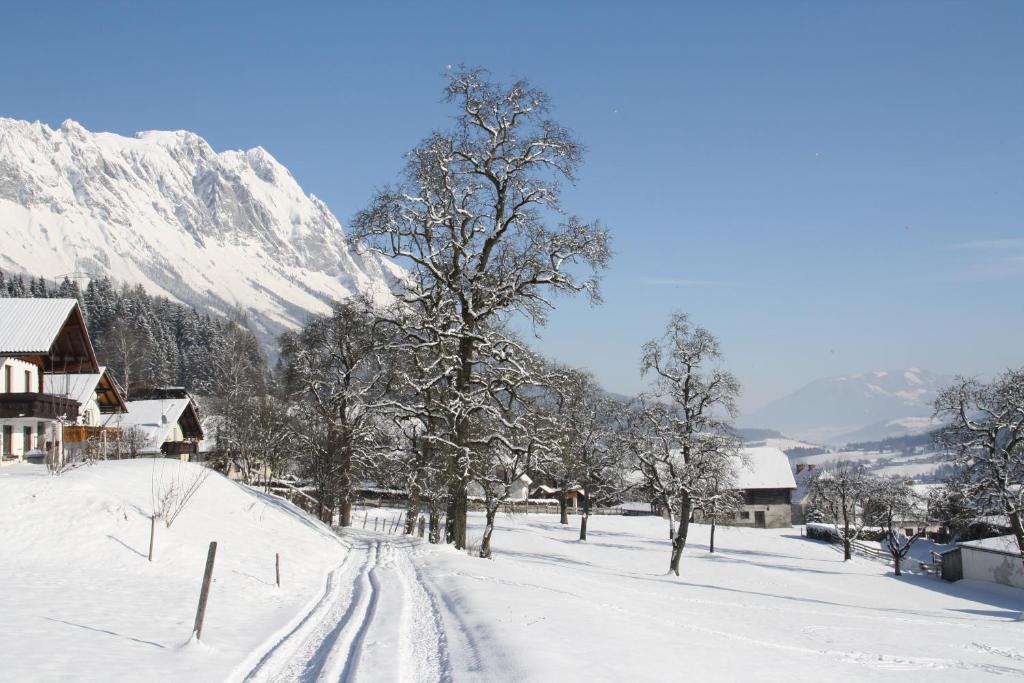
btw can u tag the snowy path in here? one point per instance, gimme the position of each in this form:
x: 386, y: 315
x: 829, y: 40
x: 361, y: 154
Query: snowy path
x: 374, y: 621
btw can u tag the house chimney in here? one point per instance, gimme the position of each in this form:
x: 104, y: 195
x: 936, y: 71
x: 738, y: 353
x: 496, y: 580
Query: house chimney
x: 811, y: 466
x: 800, y: 467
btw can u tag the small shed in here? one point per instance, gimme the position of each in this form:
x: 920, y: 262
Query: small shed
x: 996, y: 560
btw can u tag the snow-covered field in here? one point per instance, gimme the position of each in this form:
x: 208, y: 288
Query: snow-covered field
x: 767, y: 605
x: 81, y: 602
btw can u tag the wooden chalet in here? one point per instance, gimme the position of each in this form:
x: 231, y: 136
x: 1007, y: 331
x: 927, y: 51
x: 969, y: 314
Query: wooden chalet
x: 39, y: 337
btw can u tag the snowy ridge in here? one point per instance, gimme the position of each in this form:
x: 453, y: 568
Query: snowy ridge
x: 860, y: 407
x: 218, y: 231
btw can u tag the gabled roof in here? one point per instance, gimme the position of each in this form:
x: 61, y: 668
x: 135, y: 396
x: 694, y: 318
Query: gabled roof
x: 157, y: 417
x: 997, y: 544
x: 81, y: 387
x: 51, y: 328
x: 765, y: 468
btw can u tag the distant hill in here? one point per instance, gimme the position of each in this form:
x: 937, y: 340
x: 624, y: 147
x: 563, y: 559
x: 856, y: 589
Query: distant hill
x: 758, y: 434
x: 861, y: 407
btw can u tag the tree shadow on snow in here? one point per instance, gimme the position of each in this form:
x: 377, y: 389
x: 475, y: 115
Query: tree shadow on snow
x: 109, y: 633
x: 118, y: 540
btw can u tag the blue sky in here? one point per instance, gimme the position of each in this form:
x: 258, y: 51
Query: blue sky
x: 829, y: 187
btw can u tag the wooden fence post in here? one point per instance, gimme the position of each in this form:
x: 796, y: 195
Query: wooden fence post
x: 277, y: 568
x: 152, y: 534
x: 205, y: 592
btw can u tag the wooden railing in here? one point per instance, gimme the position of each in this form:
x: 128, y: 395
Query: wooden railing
x: 39, y: 406
x: 81, y: 434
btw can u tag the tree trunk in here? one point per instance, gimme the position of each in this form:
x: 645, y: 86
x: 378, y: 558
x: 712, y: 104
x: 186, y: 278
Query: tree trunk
x: 457, y: 507
x: 435, y: 524
x: 847, y: 544
x: 1017, y: 528
x: 584, y: 518
x: 455, y: 524
x: 485, y: 544
x: 711, y: 548
x: 345, y: 486
x: 563, y: 507
x: 679, y: 540
x: 896, y: 564
x: 413, y: 511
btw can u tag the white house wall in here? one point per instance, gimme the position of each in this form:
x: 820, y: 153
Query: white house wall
x: 994, y: 567
x: 19, y: 385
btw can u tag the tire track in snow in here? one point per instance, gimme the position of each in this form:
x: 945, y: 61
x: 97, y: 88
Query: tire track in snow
x: 424, y: 646
x: 330, y: 643
x: 284, y: 648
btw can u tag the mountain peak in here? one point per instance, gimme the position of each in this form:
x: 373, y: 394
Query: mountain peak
x: 165, y: 210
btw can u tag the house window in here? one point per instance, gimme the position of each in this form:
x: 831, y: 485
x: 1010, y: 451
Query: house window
x: 744, y: 514
x: 28, y: 381
x: 26, y: 439
x: 8, y: 375
x: 7, y: 445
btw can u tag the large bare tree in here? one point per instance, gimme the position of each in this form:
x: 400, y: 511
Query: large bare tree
x: 477, y: 223
x: 985, y: 435
x: 690, y: 412
x: 841, y: 492
x: 339, y: 366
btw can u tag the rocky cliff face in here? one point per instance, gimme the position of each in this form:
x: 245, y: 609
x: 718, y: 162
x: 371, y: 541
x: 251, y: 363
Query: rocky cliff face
x: 219, y: 231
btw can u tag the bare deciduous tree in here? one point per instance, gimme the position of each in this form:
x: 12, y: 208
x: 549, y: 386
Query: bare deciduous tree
x: 475, y: 221
x: 840, y: 492
x: 690, y: 420
x: 985, y: 435
x: 338, y: 366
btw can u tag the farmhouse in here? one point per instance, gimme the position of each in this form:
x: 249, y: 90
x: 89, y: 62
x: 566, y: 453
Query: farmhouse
x: 39, y: 338
x: 165, y: 426
x: 766, y: 482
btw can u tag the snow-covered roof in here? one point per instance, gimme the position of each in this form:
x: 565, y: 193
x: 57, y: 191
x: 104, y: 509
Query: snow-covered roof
x: 765, y: 468
x: 32, y: 325
x: 82, y: 387
x: 156, y: 417
x: 999, y: 544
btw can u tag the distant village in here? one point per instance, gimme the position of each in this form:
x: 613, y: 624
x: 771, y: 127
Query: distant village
x: 60, y: 407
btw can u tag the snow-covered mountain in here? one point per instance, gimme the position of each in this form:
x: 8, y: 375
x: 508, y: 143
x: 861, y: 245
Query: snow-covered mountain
x: 865, y: 406
x: 214, y: 230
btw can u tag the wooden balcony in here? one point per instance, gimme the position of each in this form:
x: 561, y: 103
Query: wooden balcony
x: 38, y: 406
x: 80, y: 434
x: 177, y: 448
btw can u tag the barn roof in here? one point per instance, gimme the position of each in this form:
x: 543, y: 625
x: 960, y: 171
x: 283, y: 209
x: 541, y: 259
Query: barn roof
x: 765, y: 468
x: 51, y: 328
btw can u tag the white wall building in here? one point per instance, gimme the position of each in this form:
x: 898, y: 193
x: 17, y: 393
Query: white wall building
x: 39, y: 337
